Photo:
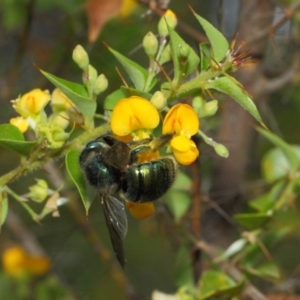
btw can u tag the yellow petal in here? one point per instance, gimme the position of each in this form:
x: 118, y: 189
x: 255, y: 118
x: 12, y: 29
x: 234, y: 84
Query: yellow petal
x: 184, y: 150
x: 140, y: 210
x: 19, y: 122
x: 31, y: 103
x: 181, y: 119
x: 133, y: 113
x: 14, y: 261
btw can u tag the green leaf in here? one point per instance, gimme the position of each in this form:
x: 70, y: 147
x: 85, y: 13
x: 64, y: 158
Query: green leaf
x: 291, y: 154
x: 135, y: 92
x: 192, y: 60
x: 267, y: 271
x: 73, y: 167
x: 274, y: 165
x: 137, y: 73
x: 182, y: 182
x: 267, y: 201
x: 77, y: 93
x: 216, y: 285
x: 205, y: 56
x: 233, y: 249
x: 12, y: 138
x: 112, y: 99
x: 178, y: 203
x: 183, y: 268
x: 228, y: 85
x: 218, y: 42
x: 3, y: 208
x: 252, y: 220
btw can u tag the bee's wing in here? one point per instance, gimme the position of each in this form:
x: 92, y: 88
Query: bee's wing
x: 116, y: 221
x: 118, y: 155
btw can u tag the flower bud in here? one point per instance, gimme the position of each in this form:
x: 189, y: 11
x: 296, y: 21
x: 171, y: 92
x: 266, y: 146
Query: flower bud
x: 80, y: 57
x: 197, y: 104
x: 55, y: 135
x: 210, y: 108
x: 184, y: 51
x: 61, y: 119
x: 165, y: 55
x: 221, y: 150
x: 169, y: 18
x: 90, y: 75
x: 100, y: 84
x: 150, y: 44
x: 59, y: 101
x: 159, y: 100
x: 39, y: 191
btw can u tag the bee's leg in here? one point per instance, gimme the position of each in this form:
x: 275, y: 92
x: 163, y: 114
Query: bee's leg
x: 152, y: 146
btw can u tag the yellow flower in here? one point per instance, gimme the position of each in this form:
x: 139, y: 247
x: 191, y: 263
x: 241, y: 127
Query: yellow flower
x: 134, y: 115
x: 31, y: 103
x: 182, y: 120
x: 20, y: 123
x: 140, y: 210
x: 16, y: 262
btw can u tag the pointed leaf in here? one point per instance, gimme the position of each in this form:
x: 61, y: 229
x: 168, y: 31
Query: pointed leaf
x: 218, y: 42
x: 233, y: 249
x: 178, y: 203
x: 192, y: 60
x: 135, y: 92
x: 252, y: 221
x: 3, y: 208
x: 73, y: 167
x: 112, y: 99
x: 137, y: 73
x: 291, y: 155
x: 229, y: 86
x: 182, y: 182
x: 77, y: 93
x: 183, y: 267
x: 266, y: 271
x: 12, y: 138
x: 217, y: 285
x: 205, y: 56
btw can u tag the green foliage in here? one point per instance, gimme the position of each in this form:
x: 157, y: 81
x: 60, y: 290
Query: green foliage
x: 229, y: 86
x: 77, y: 93
x: 198, y: 76
x: 12, y: 138
x: 217, y: 285
x: 218, y: 42
x: 72, y: 164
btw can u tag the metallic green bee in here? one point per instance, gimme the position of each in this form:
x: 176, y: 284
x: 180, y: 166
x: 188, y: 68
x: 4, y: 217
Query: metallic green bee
x: 112, y: 167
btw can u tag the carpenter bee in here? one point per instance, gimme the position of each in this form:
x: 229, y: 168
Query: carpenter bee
x: 113, y: 168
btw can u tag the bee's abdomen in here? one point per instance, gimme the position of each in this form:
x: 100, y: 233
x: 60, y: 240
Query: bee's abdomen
x: 150, y: 180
